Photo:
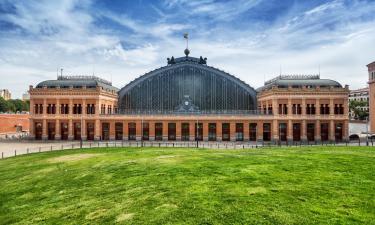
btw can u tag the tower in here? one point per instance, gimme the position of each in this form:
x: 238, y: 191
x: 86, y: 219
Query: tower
x: 371, y: 83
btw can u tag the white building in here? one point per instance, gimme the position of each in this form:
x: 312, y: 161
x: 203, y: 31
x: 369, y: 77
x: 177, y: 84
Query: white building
x: 359, y: 95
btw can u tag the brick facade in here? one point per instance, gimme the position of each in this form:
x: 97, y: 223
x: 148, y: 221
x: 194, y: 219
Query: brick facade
x: 11, y: 123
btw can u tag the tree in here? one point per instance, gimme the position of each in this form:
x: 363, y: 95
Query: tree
x: 13, y: 105
x: 357, y: 108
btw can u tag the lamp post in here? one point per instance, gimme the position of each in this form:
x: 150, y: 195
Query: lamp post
x: 196, y: 133
x: 367, y: 131
x: 81, y: 141
x: 142, y: 131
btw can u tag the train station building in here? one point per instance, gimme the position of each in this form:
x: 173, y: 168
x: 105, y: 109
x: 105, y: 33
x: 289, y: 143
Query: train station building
x: 189, y: 100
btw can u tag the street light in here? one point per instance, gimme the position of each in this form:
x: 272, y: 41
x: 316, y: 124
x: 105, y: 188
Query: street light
x: 196, y: 134
x: 367, y: 131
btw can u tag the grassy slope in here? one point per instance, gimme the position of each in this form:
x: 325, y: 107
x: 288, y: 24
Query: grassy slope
x: 189, y: 186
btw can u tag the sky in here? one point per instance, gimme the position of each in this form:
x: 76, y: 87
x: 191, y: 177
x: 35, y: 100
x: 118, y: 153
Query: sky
x: 255, y: 40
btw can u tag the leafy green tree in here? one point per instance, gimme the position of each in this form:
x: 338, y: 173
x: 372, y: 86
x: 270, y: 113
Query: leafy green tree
x: 356, y: 107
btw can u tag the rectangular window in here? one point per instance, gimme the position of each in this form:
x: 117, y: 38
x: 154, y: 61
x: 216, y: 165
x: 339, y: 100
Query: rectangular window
x: 225, y: 132
x: 158, y: 131
x: 132, y: 131
x: 253, y: 131
x: 212, y: 131
x: 185, y: 132
x: 266, y: 132
x: 171, y: 131
x: 146, y: 131
x: 283, y: 131
x: 239, y: 131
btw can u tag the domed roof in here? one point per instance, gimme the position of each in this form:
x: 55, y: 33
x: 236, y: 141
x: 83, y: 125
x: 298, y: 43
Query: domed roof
x: 209, y: 88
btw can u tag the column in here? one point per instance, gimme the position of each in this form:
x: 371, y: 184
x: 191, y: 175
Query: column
x: 139, y: 130
x: 32, y: 128
x: 44, y: 132
x: 84, y: 112
x: 152, y: 130
x: 317, y: 131
x: 70, y: 106
x: 112, y: 130
x: 304, y: 131
x: 57, y: 107
x: 192, y: 130
x: 232, y: 130
x: 125, y: 134
x: 165, y: 131
x: 275, y: 130
x: 290, y: 112
x: 317, y: 107
x: 83, y: 130
x: 178, y: 130
x: 246, y: 131
x: 260, y: 131
x: 32, y: 107
x: 97, y: 130
x: 205, y: 131
x: 97, y: 107
x: 44, y: 106
x: 303, y: 105
x: 70, y: 129
x: 331, y: 130
x: 58, y: 129
x: 275, y: 107
x: 219, y: 131
x: 290, y: 131
x: 331, y: 107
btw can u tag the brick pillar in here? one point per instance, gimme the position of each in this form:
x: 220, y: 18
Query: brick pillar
x: 178, y: 130
x: 44, y: 106
x: 57, y: 130
x: 290, y: 131
x: 112, y: 131
x: 192, y: 130
x: 331, y: 107
x: 125, y: 134
x: 139, y: 129
x: 275, y: 130
x: 57, y: 107
x: 317, y: 107
x: 260, y: 131
x: 165, y: 131
x: 44, y: 133
x: 84, y: 130
x: 304, y: 135
x: 32, y: 107
x: 303, y: 105
x: 151, y: 126
x: 32, y: 128
x: 290, y: 111
x: 317, y: 131
x: 232, y: 127
x: 70, y: 106
x: 331, y: 130
x: 219, y: 131
x: 97, y: 130
x: 246, y: 131
x: 70, y: 129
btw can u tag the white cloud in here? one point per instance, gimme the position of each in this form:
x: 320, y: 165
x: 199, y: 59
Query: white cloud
x: 298, y: 42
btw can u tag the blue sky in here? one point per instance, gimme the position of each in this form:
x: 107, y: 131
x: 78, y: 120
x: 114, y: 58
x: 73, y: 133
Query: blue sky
x: 121, y: 40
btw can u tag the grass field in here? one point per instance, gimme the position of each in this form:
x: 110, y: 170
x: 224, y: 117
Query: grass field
x: 310, y: 185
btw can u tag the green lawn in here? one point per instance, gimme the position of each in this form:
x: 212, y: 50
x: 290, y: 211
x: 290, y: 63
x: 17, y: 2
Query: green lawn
x: 309, y: 185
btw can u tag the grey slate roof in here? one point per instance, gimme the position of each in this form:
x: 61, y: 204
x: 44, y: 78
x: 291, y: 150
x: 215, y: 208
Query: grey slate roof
x: 77, y: 82
x: 299, y: 81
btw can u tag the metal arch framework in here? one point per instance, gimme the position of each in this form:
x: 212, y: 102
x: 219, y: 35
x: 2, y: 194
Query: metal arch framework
x: 165, y: 88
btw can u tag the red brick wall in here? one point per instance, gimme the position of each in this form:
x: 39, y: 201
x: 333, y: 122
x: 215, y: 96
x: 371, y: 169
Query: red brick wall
x: 8, y: 122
